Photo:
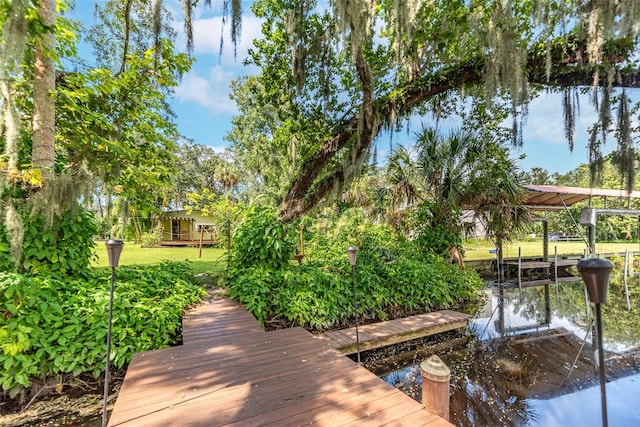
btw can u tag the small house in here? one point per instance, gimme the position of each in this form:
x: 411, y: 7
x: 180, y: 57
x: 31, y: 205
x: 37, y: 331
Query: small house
x: 181, y: 229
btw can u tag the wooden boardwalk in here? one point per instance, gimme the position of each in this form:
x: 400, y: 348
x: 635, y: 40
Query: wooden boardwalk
x: 229, y: 372
x: 382, y: 334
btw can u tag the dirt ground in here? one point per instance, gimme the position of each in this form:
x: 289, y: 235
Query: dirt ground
x: 78, y: 406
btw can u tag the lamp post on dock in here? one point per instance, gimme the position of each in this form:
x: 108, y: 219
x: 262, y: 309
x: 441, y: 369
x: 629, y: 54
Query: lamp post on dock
x: 114, y: 248
x: 352, y: 251
x: 595, y: 273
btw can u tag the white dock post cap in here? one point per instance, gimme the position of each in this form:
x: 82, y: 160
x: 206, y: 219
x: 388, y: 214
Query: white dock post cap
x: 434, y: 369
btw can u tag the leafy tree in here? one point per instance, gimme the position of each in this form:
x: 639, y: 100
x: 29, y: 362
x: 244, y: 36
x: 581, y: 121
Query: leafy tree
x: 196, y: 167
x: 539, y: 176
x: 335, y: 77
x: 427, y: 186
x: 113, y: 129
x: 265, y: 138
x: 128, y: 28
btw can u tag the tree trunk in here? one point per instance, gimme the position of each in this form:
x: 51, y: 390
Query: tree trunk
x: 43, y: 149
x: 357, y: 135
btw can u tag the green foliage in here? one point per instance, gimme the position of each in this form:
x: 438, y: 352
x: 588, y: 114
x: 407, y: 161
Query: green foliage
x: 261, y: 240
x: 437, y: 231
x: 61, y: 249
x: 50, y: 327
x: 331, y: 78
x: 195, y: 171
x: 393, y: 278
x: 117, y: 124
x: 151, y: 239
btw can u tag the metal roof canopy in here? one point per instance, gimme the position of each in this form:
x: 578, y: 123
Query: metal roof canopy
x: 549, y: 197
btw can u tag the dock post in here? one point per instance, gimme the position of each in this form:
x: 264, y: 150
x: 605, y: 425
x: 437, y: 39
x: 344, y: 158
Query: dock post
x: 555, y: 263
x: 435, y: 386
x: 626, y: 275
x: 520, y: 270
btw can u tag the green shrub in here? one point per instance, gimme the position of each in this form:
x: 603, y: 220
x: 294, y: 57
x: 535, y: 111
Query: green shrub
x: 61, y: 249
x: 437, y: 227
x: 261, y: 240
x: 393, y: 277
x: 152, y: 238
x: 50, y: 327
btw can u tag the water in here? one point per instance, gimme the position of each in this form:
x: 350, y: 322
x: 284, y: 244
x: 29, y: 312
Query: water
x: 517, y: 367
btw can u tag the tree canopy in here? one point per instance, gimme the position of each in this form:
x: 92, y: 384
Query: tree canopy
x: 86, y: 127
x: 333, y: 77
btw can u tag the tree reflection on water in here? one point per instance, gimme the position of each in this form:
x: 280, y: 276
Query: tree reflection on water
x: 517, y: 368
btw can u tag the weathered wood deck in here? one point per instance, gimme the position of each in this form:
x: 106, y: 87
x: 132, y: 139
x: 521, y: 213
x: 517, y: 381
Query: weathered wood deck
x: 185, y: 243
x: 229, y: 372
x: 382, y: 334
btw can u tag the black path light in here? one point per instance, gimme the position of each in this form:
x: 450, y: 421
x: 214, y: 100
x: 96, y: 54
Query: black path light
x: 595, y: 273
x: 114, y: 248
x: 352, y: 251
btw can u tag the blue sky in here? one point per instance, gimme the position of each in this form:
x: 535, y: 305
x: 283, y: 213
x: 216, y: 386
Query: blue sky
x: 204, y: 110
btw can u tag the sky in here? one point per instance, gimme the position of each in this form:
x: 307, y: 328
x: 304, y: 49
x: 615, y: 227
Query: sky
x: 204, y: 110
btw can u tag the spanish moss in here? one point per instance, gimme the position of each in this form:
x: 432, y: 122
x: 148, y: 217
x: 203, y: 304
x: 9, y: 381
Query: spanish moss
x: 571, y: 110
x: 14, y: 38
x: 232, y: 9
x: 355, y: 20
x: 9, y: 127
x: 596, y: 160
x: 15, y: 228
x: 625, y: 156
x: 188, y: 23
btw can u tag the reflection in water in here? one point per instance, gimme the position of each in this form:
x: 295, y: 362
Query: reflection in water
x: 532, y: 361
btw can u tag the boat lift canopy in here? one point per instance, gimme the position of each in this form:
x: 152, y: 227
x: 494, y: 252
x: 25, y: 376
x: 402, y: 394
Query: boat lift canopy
x: 552, y: 197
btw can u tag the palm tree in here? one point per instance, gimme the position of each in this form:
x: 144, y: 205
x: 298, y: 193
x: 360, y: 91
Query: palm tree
x: 434, y: 180
x: 399, y: 191
x: 227, y: 175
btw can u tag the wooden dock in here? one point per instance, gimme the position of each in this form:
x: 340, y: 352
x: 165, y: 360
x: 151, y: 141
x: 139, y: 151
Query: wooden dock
x: 391, y: 332
x: 229, y: 372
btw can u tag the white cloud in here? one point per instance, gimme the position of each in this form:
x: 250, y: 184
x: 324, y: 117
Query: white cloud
x: 210, y: 91
x: 545, y: 122
x: 208, y: 82
x: 207, y: 33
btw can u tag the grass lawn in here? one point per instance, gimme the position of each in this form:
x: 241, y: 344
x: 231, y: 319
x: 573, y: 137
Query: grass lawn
x: 479, y: 249
x: 213, y: 259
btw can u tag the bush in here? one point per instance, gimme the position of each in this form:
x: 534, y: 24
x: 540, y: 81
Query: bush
x: 50, y: 327
x: 61, y: 249
x: 261, y: 240
x: 437, y: 227
x: 393, y: 278
x: 152, y: 238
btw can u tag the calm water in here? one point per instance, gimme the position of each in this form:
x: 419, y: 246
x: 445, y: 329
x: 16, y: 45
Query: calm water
x: 517, y: 366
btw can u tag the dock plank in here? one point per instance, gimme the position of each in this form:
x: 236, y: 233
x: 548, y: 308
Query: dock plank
x: 390, y: 332
x: 229, y: 371
x: 564, y: 262
x: 524, y: 265
x: 217, y: 318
